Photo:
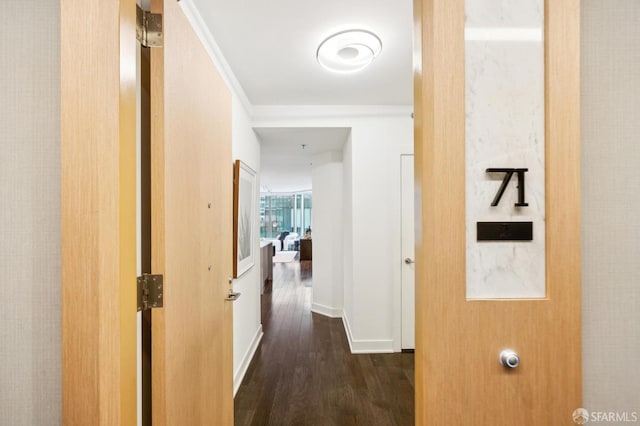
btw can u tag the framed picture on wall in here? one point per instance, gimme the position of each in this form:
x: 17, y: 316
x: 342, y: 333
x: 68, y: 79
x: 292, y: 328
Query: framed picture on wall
x: 244, y: 213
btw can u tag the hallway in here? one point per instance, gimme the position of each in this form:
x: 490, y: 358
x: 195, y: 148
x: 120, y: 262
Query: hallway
x: 304, y: 374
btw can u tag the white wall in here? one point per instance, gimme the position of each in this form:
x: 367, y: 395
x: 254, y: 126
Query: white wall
x: 247, y: 326
x: 30, y: 277
x: 371, y: 220
x: 610, y: 204
x: 377, y: 144
x: 326, y: 177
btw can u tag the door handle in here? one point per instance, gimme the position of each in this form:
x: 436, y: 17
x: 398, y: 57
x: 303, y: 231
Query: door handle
x: 233, y: 296
x: 409, y: 261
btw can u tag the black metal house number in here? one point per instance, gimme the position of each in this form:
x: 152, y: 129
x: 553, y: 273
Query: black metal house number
x: 507, y: 177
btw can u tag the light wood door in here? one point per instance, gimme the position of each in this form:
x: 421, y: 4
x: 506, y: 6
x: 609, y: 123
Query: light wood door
x: 192, y: 182
x: 408, y: 253
x: 459, y: 380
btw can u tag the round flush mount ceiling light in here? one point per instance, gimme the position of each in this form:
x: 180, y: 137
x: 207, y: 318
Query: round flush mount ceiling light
x: 349, y: 51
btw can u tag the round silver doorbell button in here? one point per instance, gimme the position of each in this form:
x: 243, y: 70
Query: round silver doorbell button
x: 509, y: 358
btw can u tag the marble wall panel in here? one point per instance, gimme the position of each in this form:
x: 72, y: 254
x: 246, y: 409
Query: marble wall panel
x: 504, y: 72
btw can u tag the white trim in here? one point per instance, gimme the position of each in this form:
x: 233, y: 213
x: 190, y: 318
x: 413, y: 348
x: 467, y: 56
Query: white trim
x: 246, y: 360
x: 365, y: 346
x: 327, y: 311
x: 293, y: 112
x: 202, y: 30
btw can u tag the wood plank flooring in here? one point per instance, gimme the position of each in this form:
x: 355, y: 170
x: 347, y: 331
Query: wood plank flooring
x: 304, y: 374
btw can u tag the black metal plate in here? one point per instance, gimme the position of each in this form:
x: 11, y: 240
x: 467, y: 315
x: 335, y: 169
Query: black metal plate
x: 505, y: 231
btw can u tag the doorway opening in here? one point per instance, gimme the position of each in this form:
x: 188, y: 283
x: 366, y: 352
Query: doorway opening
x: 307, y: 351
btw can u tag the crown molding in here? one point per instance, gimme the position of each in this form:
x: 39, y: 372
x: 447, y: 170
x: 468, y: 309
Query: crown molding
x: 202, y: 30
x: 266, y: 113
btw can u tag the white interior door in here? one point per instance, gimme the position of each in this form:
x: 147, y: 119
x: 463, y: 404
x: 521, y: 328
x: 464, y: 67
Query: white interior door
x: 407, y: 250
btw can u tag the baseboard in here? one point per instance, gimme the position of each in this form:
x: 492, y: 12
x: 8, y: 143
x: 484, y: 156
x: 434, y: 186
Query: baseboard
x: 365, y: 346
x: 246, y: 360
x: 327, y: 311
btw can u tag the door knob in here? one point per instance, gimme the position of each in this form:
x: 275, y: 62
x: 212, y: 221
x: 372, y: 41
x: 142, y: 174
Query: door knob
x: 409, y: 261
x: 233, y: 296
x: 509, y: 358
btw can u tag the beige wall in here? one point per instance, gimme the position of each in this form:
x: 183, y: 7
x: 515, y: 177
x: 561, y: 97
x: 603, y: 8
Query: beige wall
x: 30, y: 371
x: 611, y: 204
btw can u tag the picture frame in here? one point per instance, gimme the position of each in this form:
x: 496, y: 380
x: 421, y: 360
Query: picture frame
x: 244, y: 213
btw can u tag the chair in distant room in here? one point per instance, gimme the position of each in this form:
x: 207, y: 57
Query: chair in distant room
x: 290, y: 241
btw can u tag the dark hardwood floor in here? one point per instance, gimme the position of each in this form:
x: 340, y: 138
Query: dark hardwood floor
x: 304, y: 374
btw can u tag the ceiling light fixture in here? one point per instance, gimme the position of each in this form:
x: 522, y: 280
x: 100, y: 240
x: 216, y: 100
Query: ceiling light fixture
x: 349, y: 51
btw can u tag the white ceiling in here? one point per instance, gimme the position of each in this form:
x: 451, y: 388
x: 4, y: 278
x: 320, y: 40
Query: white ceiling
x: 284, y: 165
x: 271, y: 47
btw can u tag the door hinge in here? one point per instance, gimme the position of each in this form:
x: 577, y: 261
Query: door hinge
x: 148, y: 28
x: 149, y: 292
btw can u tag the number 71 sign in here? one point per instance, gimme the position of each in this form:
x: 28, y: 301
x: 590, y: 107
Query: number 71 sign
x: 507, y: 177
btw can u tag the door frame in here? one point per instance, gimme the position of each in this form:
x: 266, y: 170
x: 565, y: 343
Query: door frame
x: 156, y: 83
x: 98, y: 150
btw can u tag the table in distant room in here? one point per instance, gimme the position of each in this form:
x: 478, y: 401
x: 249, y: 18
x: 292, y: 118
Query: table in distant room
x: 305, y: 249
